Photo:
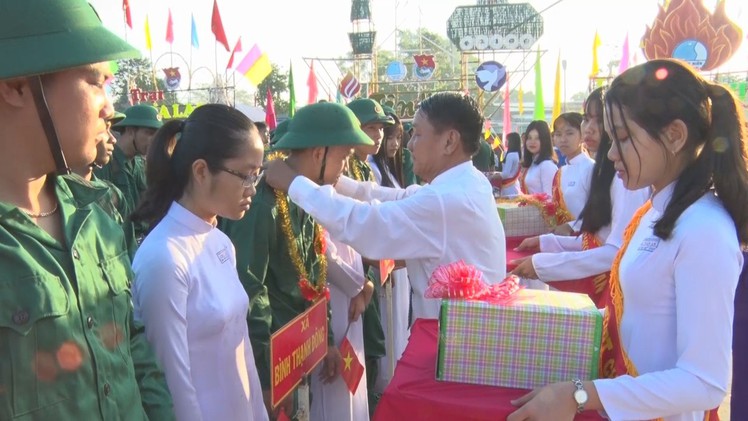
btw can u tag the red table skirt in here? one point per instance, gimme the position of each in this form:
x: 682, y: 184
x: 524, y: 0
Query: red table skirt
x: 415, y: 394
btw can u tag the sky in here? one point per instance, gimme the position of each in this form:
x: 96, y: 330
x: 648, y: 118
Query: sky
x: 291, y: 30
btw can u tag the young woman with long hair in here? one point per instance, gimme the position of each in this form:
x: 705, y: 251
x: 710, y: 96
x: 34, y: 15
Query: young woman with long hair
x: 539, y: 160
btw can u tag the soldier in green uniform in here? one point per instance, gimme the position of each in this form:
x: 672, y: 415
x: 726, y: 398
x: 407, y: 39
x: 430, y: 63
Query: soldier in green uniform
x: 278, y: 245
x: 484, y: 159
x: 113, y: 202
x: 126, y: 170
x: 373, y: 119
x: 69, y: 349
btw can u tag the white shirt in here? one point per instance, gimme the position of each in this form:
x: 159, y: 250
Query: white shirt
x: 452, y: 218
x: 510, y: 169
x: 677, y: 315
x: 576, y: 177
x: 188, y: 295
x: 539, y: 178
x: 562, y: 258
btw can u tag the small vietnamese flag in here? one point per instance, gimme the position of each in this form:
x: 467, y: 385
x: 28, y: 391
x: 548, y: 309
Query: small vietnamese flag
x: 353, y: 370
x: 386, y: 266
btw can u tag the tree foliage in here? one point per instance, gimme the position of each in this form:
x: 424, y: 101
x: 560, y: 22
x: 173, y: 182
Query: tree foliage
x: 277, y: 81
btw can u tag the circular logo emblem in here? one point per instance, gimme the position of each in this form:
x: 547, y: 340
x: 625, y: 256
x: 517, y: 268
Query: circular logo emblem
x: 692, y: 52
x: 396, y: 71
x: 490, y: 76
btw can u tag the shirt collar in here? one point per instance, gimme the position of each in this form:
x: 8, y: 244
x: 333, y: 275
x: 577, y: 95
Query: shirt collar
x: 578, y: 159
x: 661, y: 199
x: 446, y: 175
x: 180, y: 214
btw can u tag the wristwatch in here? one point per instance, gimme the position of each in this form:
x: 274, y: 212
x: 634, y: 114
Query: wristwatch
x: 580, y: 395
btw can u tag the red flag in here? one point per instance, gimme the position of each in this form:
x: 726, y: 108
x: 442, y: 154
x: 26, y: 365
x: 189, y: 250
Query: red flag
x: 170, y: 29
x: 128, y: 16
x: 237, y: 48
x: 270, y: 111
x: 311, y: 82
x: 216, y: 25
x: 353, y: 370
x: 386, y: 266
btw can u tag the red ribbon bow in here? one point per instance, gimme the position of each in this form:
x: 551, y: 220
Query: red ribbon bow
x: 462, y: 281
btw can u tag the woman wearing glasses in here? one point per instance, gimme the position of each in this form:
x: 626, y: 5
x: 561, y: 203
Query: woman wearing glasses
x: 186, y: 290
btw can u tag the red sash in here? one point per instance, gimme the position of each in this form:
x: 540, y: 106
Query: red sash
x: 596, y: 287
x: 562, y: 212
x: 522, y: 175
x: 506, y: 182
x: 614, y: 361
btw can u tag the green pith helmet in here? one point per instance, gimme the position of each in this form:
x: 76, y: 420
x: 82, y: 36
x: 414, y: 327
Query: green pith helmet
x: 368, y: 110
x: 323, y: 124
x: 117, y: 117
x: 388, y: 110
x: 46, y: 36
x: 279, y: 131
x: 141, y: 115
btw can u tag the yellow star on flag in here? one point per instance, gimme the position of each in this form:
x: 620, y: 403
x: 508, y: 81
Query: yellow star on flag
x: 347, y: 361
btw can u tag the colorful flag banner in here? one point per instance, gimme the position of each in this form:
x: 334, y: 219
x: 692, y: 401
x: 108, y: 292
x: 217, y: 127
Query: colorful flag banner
x: 170, y: 29
x: 507, y: 112
x: 195, y: 41
x: 595, y: 64
x: 216, y: 25
x: 291, y: 92
x: 128, y: 15
x: 520, y: 99
x: 237, y: 49
x: 270, y: 111
x: 557, y: 91
x: 624, y: 56
x: 539, y: 113
x: 255, y: 66
x: 148, y: 43
x: 353, y: 370
x: 386, y: 266
x: 311, y: 82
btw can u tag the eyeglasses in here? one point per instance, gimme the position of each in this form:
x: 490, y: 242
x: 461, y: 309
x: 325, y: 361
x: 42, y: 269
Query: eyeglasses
x: 247, y: 180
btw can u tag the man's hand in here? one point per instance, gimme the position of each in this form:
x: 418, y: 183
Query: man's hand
x: 529, y: 243
x: 331, y: 365
x: 279, y: 175
x: 524, y: 268
x: 357, y: 307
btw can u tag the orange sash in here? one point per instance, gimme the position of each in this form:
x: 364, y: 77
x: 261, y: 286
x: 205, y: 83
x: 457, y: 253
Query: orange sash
x: 522, y: 175
x: 614, y: 361
x: 562, y: 212
x: 594, y: 286
x: 506, y: 182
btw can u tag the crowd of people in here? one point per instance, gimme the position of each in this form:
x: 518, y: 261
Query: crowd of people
x: 146, y: 264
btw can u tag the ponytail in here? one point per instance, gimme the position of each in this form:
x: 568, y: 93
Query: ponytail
x: 164, y: 186
x: 726, y: 145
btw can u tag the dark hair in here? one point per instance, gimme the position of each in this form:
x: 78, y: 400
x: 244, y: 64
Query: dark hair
x: 450, y: 110
x: 261, y: 125
x: 213, y: 132
x: 573, y: 119
x: 598, y: 210
x: 513, y: 144
x: 546, y: 145
x: 655, y: 94
x: 395, y: 164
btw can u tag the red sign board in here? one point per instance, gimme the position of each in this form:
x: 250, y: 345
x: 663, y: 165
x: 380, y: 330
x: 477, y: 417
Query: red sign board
x: 296, y: 348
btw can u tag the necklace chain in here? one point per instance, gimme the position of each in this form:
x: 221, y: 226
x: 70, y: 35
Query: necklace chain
x: 42, y: 214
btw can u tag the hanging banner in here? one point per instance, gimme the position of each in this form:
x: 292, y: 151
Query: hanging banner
x: 173, y: 78
x: 425, y: 66
x: 349, y: 86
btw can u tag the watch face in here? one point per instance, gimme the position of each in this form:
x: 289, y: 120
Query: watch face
x: 580, y: 396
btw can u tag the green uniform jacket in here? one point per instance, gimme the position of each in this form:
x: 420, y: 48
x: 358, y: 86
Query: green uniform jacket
x: 483, y: 160
x: 374, y: 341
x: 115, y: 204
x: 409, y: 177
x: 69, y: 349
x: 129, y: 177
x: 267, y: 272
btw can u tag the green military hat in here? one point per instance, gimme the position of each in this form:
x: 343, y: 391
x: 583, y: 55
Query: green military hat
x: 368, y: 110
x: 389, y: 110
x: 46, y: 36
x: 141, y: 115
x: 279, y: 131
x: 117, y: 117
x: 323, y: 124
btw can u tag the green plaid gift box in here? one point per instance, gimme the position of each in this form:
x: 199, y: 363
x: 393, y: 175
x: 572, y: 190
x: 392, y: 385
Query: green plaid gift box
x: 521, y: 221
x: 543, y: 337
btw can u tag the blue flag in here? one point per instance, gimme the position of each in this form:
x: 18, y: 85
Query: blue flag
x: 195, y: 42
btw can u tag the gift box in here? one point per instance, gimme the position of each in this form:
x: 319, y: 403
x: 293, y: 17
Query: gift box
x: 521, y: 220
x: 540, y: 337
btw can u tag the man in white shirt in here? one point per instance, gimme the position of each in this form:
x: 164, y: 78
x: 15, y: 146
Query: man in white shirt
x: 451, y: 218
